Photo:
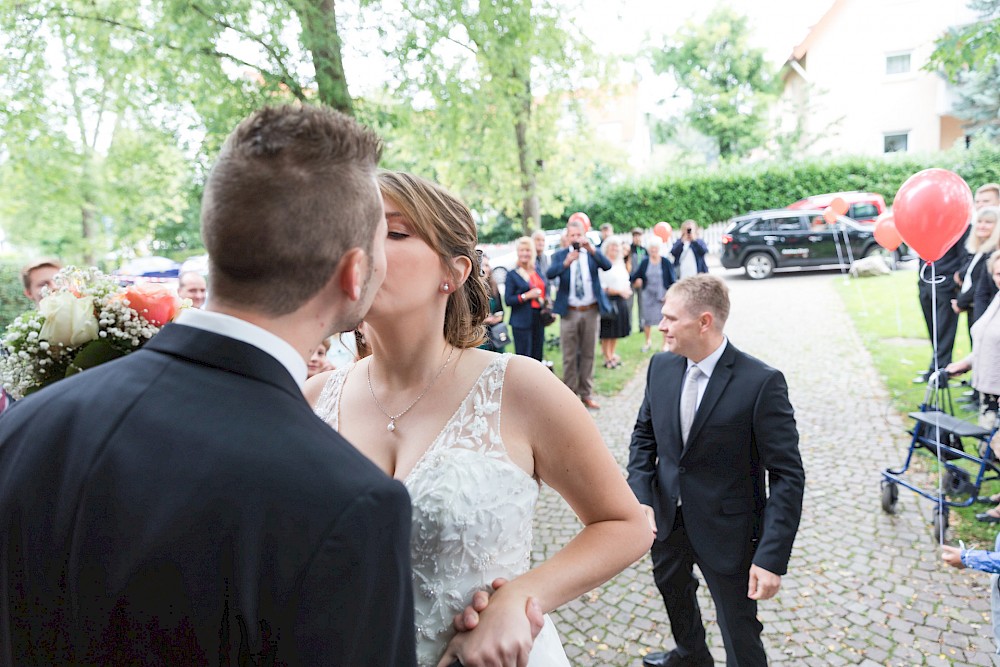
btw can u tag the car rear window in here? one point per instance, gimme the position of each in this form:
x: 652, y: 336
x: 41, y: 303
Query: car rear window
x: 863, y: 210
x: 788, y: 224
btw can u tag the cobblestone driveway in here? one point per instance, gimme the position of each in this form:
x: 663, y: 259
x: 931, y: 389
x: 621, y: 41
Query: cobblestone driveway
x: 863, y: 588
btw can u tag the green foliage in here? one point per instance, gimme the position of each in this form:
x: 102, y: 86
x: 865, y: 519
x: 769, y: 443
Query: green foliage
x: 12, y: 299
x: 733, y: 190
x: 478, y: 125
x: 969, y: 56
x: 730, y: 83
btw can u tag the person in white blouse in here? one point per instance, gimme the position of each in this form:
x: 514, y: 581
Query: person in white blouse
x: 615, y: 283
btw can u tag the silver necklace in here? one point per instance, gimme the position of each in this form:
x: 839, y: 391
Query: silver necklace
x: 391, y: 426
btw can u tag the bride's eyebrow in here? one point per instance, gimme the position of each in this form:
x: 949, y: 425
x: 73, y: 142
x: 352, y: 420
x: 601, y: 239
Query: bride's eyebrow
x: 395, y: 216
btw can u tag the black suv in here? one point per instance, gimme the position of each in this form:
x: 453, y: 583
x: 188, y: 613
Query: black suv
x: 763, y: 241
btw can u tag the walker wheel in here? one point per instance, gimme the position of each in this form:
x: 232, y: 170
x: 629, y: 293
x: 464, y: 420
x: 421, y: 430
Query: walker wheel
x: 890, y: 496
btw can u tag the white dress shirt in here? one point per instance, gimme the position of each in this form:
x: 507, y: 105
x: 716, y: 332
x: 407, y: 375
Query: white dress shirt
x: 251, y: 334
x: 707, y: 367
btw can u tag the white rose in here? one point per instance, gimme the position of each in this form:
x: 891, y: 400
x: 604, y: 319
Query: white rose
x: 69, y: 320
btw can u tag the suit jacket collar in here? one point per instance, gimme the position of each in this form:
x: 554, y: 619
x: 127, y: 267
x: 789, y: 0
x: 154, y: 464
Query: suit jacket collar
x: 713, y: 392
x: 227, y: 354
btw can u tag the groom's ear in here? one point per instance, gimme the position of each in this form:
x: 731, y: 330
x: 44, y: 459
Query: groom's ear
x: 351, y: 272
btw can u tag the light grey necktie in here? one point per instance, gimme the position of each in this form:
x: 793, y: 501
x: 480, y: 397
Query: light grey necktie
x: 578, y: 278
x: 689, y: 400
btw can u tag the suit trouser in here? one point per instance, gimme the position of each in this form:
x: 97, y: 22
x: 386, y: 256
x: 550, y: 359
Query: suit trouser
x: 673, y: 562
x: 528, y: 341
x: 578, y: 330
x: 947, y: 320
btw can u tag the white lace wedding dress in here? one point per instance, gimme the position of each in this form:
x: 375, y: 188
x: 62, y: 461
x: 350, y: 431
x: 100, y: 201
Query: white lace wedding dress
x: 472, y: 513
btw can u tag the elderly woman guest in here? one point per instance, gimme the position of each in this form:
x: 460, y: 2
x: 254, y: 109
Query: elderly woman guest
x: 654, y: 276
x: 615, y: 283
x: 984, y: 362
x: 983, y: 240
x: 524, y: 293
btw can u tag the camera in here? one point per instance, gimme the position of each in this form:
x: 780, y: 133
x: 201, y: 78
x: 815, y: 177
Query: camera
x: 576, y: 245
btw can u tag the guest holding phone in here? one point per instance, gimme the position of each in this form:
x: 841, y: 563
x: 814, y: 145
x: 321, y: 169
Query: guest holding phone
x: 689, y: 251
x: 524, y: 293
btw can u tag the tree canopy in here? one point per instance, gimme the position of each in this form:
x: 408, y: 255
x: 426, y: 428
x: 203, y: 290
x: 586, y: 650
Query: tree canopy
x: 729, y: 83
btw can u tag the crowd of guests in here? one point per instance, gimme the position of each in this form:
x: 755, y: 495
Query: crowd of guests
x: 374, y: 516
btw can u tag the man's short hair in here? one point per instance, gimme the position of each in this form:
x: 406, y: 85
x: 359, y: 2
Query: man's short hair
x: 293, y: 189
x: 988, y: 187
x: 37, y: 264
x: 636, y: 230
x: 703, y: 292
x: 607, y: 227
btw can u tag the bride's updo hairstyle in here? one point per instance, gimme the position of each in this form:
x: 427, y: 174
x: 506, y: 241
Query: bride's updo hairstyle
x: 446, y: 225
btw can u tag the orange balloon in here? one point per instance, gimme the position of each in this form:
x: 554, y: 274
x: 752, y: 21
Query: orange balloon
x: 662, y: 230
x: 839, y: 206
x: 582, y: 218
x: 886, y: 234
x: 829, y: 215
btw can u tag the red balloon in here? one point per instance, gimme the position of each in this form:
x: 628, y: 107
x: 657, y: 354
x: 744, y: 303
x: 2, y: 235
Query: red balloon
x: 932, y: 210
x: 886, y: 234
x: 829, y: 215
x: 839, y: 206
x: 662, y: 230
x: 582, y: 218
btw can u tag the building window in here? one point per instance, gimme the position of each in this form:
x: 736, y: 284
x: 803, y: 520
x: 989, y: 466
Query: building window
x: 896, y: 143
x: 897, y: 64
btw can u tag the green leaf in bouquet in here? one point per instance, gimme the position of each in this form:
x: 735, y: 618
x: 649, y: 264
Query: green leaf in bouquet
x: 94, y: 353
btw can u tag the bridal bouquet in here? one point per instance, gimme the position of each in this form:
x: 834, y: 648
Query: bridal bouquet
x: 85, y: 320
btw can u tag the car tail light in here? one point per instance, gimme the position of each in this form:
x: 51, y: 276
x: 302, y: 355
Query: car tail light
x: 727, y: 238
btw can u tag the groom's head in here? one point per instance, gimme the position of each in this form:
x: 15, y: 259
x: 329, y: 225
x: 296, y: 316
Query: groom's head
x: 292, y: 192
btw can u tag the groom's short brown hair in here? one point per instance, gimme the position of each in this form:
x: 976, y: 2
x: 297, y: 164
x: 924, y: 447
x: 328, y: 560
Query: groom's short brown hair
x: 292, y: 190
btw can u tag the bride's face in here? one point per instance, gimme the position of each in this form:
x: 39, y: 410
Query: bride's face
x: 414, y: 274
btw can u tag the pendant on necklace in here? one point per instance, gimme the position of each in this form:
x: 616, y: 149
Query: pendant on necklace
x: 391, y: 426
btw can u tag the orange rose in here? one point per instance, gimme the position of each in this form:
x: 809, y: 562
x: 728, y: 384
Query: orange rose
x: 156, y: 303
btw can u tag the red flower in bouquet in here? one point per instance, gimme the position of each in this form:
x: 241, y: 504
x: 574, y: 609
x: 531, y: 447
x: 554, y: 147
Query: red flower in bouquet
x: 155, y: 303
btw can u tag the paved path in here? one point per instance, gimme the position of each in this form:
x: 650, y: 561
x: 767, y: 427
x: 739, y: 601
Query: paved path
x: 864, y: 588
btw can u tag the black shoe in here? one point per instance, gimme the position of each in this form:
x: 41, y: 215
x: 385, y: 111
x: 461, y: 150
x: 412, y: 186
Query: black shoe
x: 673, y: 659
x: 986, y: 517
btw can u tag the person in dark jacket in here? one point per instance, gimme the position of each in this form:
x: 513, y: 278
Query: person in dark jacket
x: 141, y: 527
x: 524, y: 293
x: 689, y: 251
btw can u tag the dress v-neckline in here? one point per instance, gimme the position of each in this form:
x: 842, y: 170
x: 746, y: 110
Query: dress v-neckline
x: 438, y: 439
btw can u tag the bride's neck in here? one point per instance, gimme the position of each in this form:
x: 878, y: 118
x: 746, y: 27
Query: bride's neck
x: 403, y: 360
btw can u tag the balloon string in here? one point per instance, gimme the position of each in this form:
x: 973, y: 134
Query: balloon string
x: 934, y: 281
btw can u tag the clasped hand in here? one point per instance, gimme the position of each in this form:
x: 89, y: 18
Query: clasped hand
x: 494, y: 633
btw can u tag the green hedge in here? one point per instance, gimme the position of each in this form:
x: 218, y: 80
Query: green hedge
x: 12, y: 299
x: 713, y: 196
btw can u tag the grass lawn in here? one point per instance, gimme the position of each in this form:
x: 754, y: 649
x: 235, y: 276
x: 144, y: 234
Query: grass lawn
x: 886, y: 313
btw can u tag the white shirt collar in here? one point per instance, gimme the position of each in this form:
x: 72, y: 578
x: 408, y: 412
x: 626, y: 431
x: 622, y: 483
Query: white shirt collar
x: 251, y: 334
x: 707, y: 365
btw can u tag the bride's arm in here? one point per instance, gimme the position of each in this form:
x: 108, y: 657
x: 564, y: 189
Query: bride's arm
x: 545, y: 426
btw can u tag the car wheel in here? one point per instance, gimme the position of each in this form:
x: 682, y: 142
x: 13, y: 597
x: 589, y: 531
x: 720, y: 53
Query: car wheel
x: 889, y: 257
x: 759, y: 265
x: 500, y: 275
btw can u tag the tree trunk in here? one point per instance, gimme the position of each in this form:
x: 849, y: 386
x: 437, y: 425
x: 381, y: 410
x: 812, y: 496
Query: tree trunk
x: 531, y: 215
x: 321, y: 39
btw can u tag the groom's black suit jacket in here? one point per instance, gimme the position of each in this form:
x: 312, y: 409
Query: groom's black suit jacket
x: 744, y: 428
x: 184, y: 506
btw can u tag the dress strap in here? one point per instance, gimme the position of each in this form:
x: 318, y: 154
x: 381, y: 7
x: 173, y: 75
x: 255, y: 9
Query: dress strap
x: 328, y: 405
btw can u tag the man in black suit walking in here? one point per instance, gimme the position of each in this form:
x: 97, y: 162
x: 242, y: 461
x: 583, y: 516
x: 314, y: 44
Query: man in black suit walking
x: 714, y: 460
x: 246, y: 531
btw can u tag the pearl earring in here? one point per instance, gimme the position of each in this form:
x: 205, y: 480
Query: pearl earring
x: 445, y: 287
